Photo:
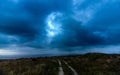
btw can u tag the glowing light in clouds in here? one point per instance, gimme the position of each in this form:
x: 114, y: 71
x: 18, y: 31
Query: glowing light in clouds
x: 53, y: 25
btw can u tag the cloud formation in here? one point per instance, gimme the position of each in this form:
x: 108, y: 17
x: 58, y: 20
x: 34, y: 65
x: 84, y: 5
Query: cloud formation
x: 49, y: 24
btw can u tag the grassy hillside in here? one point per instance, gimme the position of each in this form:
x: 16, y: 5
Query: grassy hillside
x: 87, y: 64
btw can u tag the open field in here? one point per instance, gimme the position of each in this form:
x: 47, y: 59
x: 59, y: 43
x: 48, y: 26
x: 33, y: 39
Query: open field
x: 86, y: 64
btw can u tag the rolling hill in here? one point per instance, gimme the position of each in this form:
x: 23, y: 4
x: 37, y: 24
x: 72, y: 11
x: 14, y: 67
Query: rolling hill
x: 85, y: 64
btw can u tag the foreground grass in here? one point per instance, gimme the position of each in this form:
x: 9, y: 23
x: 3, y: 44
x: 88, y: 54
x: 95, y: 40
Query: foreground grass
x: 95, y: 64
x: 29, y: 67
x: 88, y: 64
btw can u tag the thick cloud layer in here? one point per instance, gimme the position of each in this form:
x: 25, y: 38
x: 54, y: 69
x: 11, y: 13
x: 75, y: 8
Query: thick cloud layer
x: 61, y: 24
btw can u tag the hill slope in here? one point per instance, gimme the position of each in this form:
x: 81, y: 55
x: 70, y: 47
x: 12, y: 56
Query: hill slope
x: 87, y: 64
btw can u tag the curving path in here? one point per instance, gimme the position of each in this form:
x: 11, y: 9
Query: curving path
x: 61, y: 72
x: 72, y: 69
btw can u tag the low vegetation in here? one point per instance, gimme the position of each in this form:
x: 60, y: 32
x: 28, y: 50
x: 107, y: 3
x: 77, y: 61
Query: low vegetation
x: 87, y: 64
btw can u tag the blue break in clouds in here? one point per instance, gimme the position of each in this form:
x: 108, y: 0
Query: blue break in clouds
x: 47, y: 24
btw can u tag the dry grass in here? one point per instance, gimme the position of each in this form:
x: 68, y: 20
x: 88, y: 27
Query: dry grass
x: 88, y: 64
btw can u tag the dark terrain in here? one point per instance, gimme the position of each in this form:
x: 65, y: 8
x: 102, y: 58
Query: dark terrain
x: 86, y: 64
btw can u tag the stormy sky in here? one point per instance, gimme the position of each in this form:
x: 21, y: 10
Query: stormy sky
x: 57, y: 27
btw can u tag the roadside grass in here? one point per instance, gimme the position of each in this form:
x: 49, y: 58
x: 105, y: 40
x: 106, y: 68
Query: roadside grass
x: 66, y: 70
x: 87, y: 64
x: 29, y: 67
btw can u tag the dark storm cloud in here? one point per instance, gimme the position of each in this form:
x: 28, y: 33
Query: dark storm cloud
x: 41, y: 8
x: 106, y: 20
x: 25, y: 18
x: 76, y: 35
x: 18, y: 28
x: 84, y: 22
